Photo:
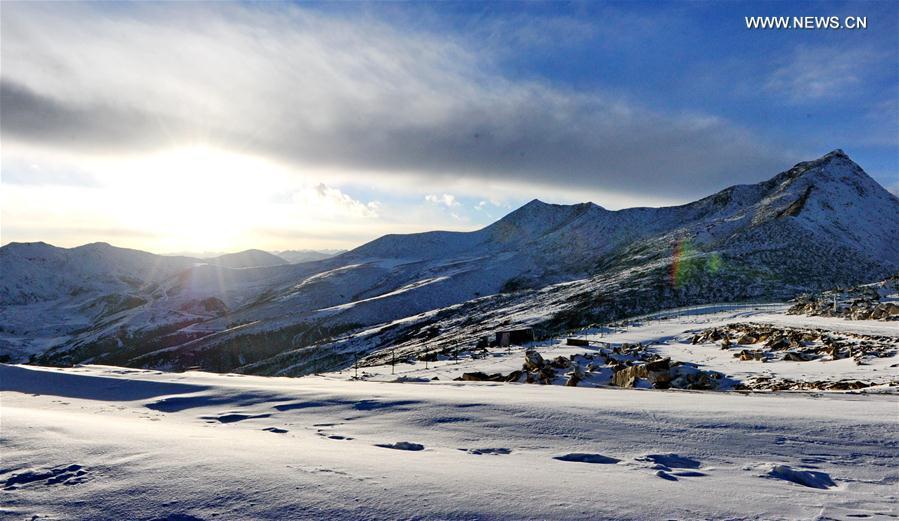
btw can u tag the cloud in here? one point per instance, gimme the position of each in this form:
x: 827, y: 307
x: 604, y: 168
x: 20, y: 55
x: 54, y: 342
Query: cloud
x: 445, y: 199
x: 350, y: 93
x: 815, y: 73
x: 327, y: 201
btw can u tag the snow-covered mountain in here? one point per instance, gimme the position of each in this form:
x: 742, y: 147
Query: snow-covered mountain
x: 298, y: 256
x: 248, y: 259
x: 820, y: 224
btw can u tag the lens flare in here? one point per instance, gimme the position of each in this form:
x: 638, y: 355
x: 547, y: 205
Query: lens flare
x: 676, y: 272
x: 687, y: 262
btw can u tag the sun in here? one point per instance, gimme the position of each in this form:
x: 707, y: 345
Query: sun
x: 196, y: 198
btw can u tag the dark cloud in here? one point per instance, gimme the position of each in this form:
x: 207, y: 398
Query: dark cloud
x: 362, y: 97
x: 33, y: 117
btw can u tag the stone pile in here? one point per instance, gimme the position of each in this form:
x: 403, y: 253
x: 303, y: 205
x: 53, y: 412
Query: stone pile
x: 859, y: 303
x: 767, y: 383
x: 796, y: 344
x: 631, y: 365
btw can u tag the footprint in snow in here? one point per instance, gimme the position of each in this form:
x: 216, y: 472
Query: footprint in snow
x: 587, y: 458
x: 66, y: 475
x: 671, y: 461
x: 401, y: 445
x: 806, y: 478
x: 333, y: 436
x: 664, y: 465
x: 491, y: 451
x: 232, y: 418
x: 179, y: 517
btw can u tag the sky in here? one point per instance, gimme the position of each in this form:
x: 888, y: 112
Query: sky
x: 180, y: 127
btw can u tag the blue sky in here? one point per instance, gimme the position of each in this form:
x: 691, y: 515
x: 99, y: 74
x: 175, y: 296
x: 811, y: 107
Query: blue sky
x: 225, y: 126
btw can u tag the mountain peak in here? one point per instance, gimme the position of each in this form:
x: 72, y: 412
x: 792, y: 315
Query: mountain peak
x: 536, y: 203
x: 96, y: 246
x: 248, y: 259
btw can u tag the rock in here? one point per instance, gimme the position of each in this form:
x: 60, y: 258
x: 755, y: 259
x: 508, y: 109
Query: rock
x: 546, y: 375
x: 662, y: 364
x: 701, y: 382
x: 680, y: 382
x: 658, y: 372
x: 576, y: 376
x: 747, y: 355
x: 577, y: 342
x: 627, y: 377
x: 793, y: 356
x: 561, y: 362
x: 533, y: 361
x: 747, y: 339
x: 778, y: 343
x: 514, y: 376
x: 847, y: 385
x: 480, y: 377
x: 688, y: 376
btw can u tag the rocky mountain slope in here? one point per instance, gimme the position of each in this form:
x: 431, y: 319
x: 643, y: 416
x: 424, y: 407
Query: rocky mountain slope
x: 820, y: 224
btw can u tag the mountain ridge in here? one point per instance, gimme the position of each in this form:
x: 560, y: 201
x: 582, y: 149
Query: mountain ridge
x: 821, y: 223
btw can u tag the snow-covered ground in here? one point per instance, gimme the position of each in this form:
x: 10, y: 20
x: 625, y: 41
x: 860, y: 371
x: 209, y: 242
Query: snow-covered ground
x: 670, y: 334
x: 99, y: 442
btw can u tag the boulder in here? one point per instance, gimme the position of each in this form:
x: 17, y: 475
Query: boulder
x: 747, y: 355
x: 514, y: 376
x: 578, y: 373
x: 546, y: 375
x: 627, y: 377
x: 573, y: 380
x: 778, y: 343
x: 662, y: 364
x: 793, y: 356
x: 533, y: 361
x: 747, y: 339
x: 561, y: 362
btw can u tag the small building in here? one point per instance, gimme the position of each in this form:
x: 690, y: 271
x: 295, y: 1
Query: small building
x: 514, y: 337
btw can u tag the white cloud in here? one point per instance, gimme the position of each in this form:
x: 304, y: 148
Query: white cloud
x: 331, y: 202
x: 447, y: 200
x: 813, y: 73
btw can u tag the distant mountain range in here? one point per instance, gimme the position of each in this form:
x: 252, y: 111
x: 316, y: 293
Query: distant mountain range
x: 820, y: 224
x: 297, y: 256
